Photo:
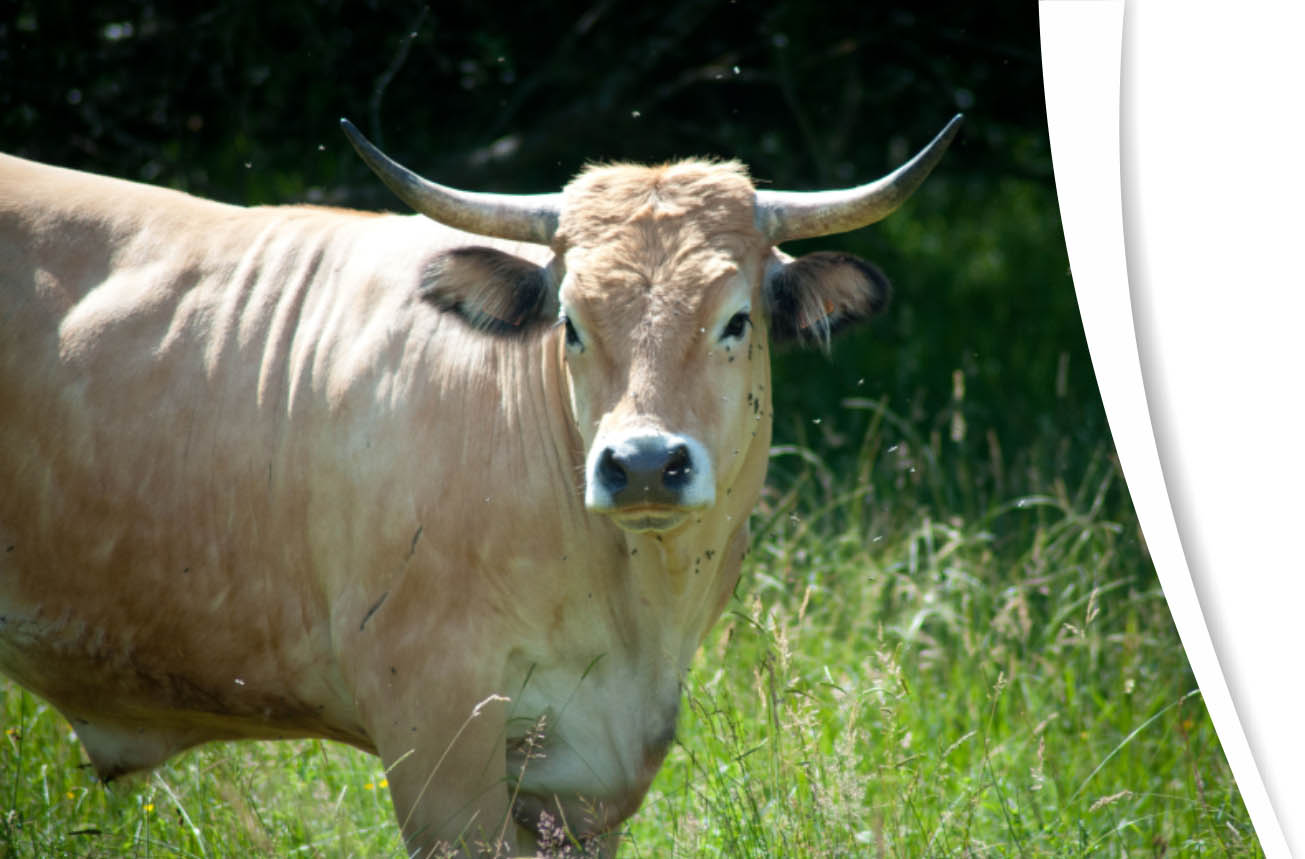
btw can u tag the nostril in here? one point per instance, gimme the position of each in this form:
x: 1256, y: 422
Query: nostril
x: 678, y: 467
x: 610, y: 472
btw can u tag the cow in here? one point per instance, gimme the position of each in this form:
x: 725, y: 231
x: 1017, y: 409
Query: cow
x: 464, y: 488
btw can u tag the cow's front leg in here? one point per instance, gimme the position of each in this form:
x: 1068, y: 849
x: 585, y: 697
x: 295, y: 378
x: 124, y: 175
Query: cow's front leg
x: 428, y: 690
x: 447, y: 778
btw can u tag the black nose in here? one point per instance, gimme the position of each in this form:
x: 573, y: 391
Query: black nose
x: 645, y: 471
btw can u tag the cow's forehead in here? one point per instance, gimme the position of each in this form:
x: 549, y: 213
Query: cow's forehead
x: 719, y: 193
x: 679, y: 232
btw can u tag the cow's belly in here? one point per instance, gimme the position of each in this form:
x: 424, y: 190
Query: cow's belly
x: 136, y: 696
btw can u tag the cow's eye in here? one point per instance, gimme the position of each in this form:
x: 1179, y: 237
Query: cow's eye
x: 572, y: 336
x: 737, y: 326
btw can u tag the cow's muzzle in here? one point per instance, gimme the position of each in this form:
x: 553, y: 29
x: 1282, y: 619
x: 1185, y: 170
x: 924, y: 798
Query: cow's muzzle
x: 648, y: 481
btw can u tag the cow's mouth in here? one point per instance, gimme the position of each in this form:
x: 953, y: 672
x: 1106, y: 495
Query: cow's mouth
x: 644, y: 520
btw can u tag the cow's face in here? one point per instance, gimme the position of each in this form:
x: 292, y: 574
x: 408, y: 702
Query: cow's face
x: 664, y: 329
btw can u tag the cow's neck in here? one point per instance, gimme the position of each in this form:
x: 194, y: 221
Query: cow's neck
x: 604, y: 632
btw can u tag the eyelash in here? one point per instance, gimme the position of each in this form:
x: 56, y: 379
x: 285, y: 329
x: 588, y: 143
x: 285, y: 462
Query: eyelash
x: 572, y: 336
x: 737, y: 325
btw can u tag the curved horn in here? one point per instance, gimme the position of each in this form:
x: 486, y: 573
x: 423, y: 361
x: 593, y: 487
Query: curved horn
x: 518, y: 217
x: 789, y: 215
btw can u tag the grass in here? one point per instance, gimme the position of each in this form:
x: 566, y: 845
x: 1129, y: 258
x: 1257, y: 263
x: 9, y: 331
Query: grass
x: 936, y: 650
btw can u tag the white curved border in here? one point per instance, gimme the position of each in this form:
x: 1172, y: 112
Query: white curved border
x: 1081, y: 56
x: 1211, y: 137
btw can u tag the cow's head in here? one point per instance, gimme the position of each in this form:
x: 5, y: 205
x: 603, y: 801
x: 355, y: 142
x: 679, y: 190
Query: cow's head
x: 666, y: 289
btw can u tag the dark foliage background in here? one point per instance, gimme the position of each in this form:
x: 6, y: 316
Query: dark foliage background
x: 982, y: 352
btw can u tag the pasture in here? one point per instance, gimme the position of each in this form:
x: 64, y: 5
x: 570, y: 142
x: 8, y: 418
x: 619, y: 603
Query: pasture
x: 892, y: 679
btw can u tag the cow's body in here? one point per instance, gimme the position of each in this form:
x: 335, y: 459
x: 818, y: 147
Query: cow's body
x: 260, y: 476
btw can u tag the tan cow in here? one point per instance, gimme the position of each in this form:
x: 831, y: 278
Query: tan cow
x: 465, y: 494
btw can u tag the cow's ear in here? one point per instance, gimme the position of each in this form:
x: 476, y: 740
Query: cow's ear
x: 490, y: 290
x: 815, y: 296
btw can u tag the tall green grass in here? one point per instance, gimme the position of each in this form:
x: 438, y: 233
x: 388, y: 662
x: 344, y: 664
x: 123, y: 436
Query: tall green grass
x: 1009, y: 684
x: 932, y: 652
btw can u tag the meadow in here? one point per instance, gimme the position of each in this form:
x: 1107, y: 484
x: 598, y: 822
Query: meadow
x: 901, y: 673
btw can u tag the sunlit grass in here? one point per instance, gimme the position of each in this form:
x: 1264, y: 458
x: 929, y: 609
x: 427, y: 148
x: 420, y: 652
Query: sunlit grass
x: 306, y: 798
x: 910, y: 668
x: 940, y: 694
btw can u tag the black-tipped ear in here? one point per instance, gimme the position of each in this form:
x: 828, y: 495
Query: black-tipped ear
x: 490, y: 290
x: 815, y: 296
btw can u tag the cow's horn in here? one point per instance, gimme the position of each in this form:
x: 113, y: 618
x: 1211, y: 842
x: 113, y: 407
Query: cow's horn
x: 518, y: 217
x: 788, y: 215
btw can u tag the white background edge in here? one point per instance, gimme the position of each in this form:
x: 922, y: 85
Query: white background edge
x: 1081, y: 53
